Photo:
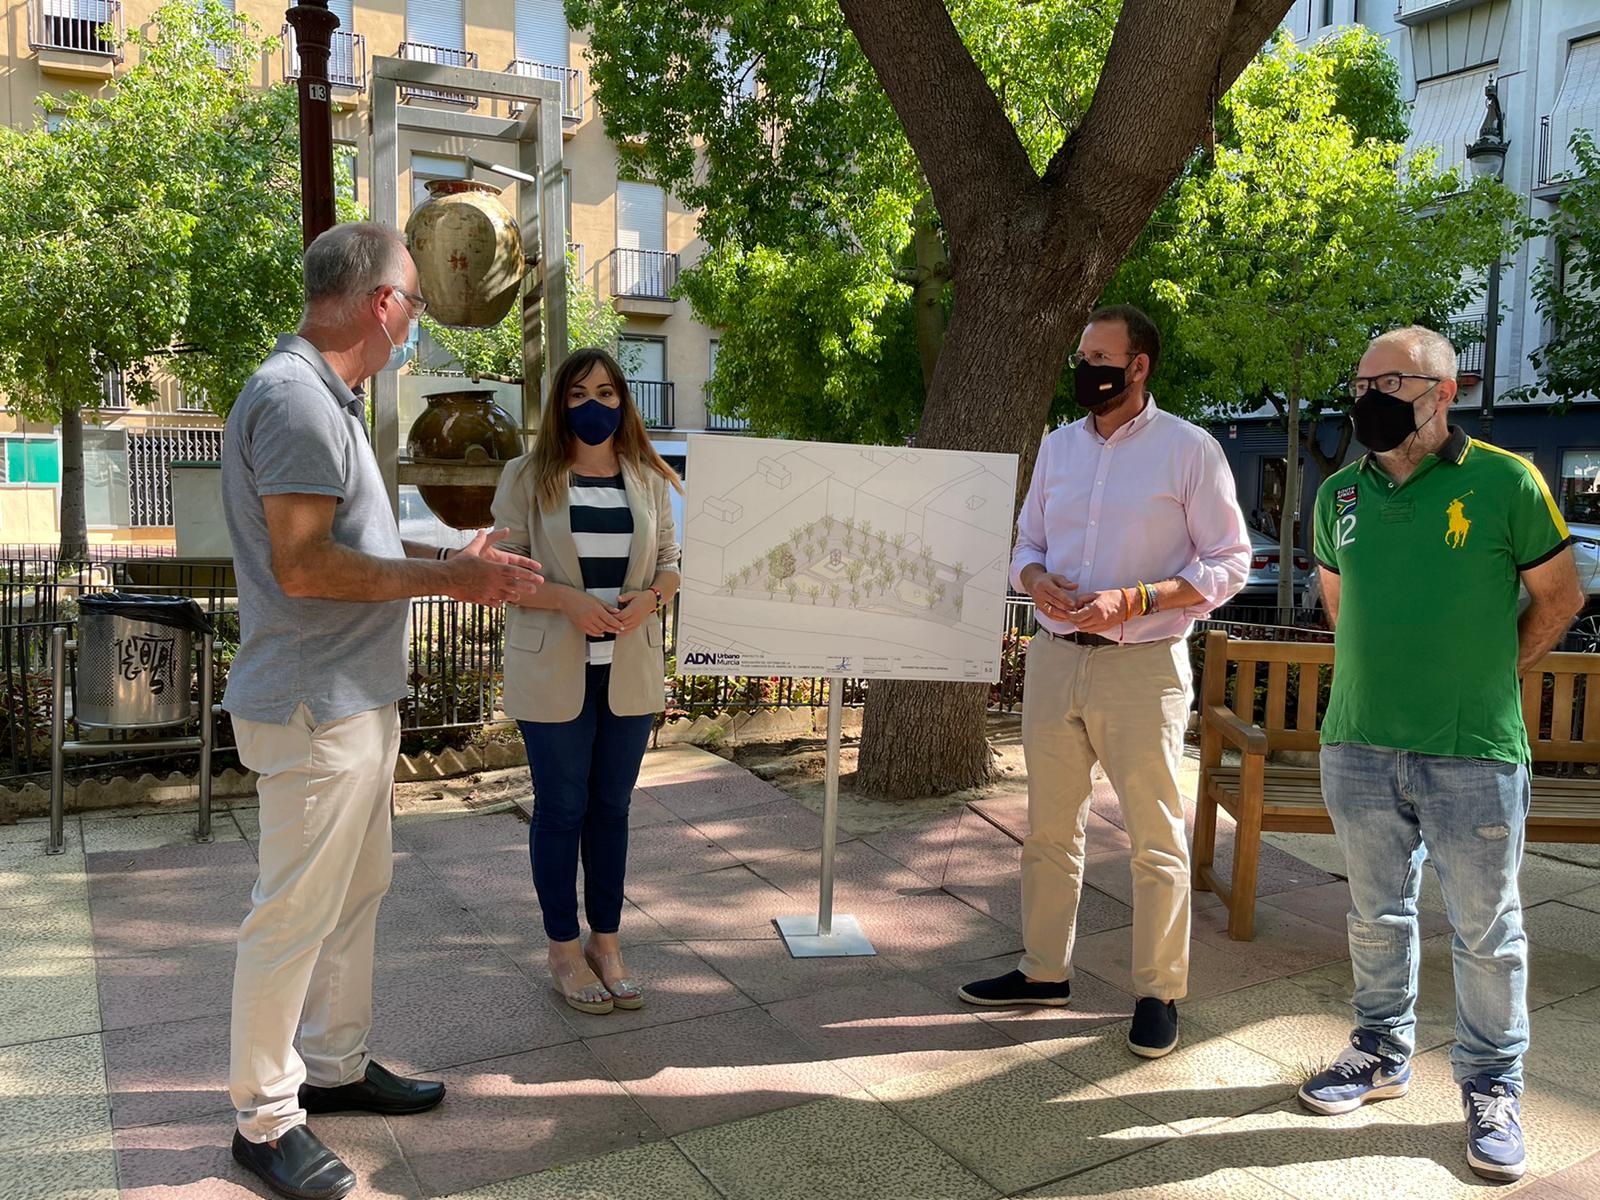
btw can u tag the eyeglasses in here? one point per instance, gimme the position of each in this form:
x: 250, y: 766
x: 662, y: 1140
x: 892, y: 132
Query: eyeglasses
x: 417, y: 303
x: 1079, y: 357
x: 1388, y: 384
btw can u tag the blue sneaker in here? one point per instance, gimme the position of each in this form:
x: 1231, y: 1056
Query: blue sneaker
x: 1359, y: 1074
x: 1494, y: 1128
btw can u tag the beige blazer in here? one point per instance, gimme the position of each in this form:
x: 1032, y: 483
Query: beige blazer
x: 545, y: 653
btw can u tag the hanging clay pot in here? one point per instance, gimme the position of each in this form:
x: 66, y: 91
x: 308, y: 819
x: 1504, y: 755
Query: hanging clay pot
x: 465, y: 428
x: 468, y: 253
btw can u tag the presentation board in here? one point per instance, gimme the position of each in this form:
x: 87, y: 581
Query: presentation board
x: 810, y: 558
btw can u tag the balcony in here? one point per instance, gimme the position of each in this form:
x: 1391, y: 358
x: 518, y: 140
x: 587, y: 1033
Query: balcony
x: 1468, y: 334
x: 570, y: 79
x: 347, y: 61
x: 642, y: 281
x: 76, y: 38
x: 444, y: 56
x: 1417, y: 12
x: 654, y: 399
x: 1556, y: 162
x: 719, y: 423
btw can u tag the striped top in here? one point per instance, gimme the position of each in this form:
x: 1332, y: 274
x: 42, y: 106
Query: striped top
x: 602, y: 526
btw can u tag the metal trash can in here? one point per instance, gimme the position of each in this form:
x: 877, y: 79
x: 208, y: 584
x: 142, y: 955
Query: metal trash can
x: 135, y: 660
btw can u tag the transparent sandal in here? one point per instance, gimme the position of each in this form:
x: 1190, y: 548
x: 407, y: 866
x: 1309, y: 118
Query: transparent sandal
x: 625, y: 993
x: 589, y: 996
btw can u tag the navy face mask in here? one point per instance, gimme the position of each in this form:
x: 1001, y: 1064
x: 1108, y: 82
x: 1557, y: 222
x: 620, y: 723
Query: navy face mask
x: 594, y: 421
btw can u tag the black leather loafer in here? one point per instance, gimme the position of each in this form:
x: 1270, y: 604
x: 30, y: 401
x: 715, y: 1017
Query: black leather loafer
x: 382, y: 1091
x: 299, y: 1166
x: 1155, y: 1028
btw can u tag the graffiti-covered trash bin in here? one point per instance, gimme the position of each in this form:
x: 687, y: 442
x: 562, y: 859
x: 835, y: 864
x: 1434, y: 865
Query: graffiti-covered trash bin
x: 136, y: 660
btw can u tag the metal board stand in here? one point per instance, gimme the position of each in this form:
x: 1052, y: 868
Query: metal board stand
x: 60, y: 748
x: 541, y: 217
x: 826, y: 935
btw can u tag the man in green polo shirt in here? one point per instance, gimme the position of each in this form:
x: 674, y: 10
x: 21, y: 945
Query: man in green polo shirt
x: 1422, y: 544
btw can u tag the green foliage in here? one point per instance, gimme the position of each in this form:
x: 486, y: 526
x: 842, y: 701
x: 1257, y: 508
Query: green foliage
x: 1568, y: 364
x: 498, y: 350
x: 162, y: 213
x: 766, y: 115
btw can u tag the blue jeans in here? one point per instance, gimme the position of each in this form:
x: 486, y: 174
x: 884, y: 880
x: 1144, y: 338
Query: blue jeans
x: 1393, y: 808
x: 583, y: 776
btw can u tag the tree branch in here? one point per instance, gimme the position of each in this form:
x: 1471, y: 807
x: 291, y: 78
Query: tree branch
x: 970, y: 153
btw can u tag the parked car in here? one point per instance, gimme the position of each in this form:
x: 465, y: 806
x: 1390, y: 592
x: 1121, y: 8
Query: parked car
x: 1585, y: 632
x: 1261, y: 587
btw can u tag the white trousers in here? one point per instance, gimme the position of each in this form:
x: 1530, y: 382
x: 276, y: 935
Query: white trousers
x: 306, y: 948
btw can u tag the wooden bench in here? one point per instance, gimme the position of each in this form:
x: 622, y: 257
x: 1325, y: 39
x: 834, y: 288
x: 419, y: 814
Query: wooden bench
x: 1560, y: 705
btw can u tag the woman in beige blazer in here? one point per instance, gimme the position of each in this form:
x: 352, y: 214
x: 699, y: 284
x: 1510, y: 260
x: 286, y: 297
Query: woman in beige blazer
x: 583, y: 663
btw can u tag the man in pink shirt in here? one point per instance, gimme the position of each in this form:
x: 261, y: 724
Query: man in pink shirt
x: 1131, y: 530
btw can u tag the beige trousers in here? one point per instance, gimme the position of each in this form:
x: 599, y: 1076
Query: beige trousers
x: 306, y: 947
x: 1125, y: 707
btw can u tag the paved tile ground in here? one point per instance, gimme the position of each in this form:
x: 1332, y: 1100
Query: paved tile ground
x: 748, y: 1073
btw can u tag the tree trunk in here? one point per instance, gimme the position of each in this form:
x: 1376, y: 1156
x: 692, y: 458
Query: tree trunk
x: 933, y: 274
x: 74, y: 528
x: 1328, y: 463
x: 1291, y: 501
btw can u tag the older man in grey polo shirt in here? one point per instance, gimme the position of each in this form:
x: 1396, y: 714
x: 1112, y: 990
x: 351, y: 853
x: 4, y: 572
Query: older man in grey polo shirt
x: 324, y: 584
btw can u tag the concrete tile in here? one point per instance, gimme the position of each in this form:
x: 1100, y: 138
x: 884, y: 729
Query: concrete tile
x: 655, y: 1171
x: 1277, y: 870
x: 170, y: 896
x: 924, y: 929
x: 850, y: 1146
x: 172, y: 1072
x: 999, y: 897
x: 1298, y: 1027
x: 981, y: 850
x: 193, y: 1160
x: 166, y: 985
x: 678, y: 985
x: 428, y: 1004
x: 52, y: 1091
x: 1436, y: 995
x: 887, y: 1030
x: 1213, y: 969
x: 1329, y: 904
x: 81, y: 1168
x: 1539, y: 880
x: 1181, y: 1169
x: 37, y: 936
x: 718, y: 1068
x: 1017, y: 1120
x: 1320, y: 850
x: 1206, y: 1080
x: 712, y: 794
x: 1563, y: 1050
x: 152, y: 830
x: 29, y: 877
x: 50, y: 999
x: 673, y: 851
x: 763, y: 969
x: 1588, y: 899
x: 1580, y: 1180
x: 1094, y: 1002
x: 1283, y: 941
x: 450, y: 835
x: 1008, y: 810
x: 924, y: 846
x: 732, y: 903
x: 772, y: 831
x: 863, y: 875
x: 1563, y: 951
x: 684, y: 763
x: 517, y: 1115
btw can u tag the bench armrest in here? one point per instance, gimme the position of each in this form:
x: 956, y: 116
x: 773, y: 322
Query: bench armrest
x: 1248, y: 739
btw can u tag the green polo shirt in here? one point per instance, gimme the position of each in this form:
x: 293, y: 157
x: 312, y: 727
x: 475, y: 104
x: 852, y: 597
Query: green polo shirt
x: 1426, y: 644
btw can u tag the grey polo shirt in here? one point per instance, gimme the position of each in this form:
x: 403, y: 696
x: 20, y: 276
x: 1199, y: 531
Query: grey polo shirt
x: 298, y: 428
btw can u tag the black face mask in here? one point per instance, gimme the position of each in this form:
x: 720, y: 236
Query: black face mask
x: 1097, y: 386
x: 1384, y: 423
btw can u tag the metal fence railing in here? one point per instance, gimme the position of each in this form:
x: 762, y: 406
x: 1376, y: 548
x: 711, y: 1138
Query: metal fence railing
x: 347, y: 58
x: 643, y: 274
x: 570, y: 79
x: 445, y: 56
x: 654, y: 398
x: 76, y: 26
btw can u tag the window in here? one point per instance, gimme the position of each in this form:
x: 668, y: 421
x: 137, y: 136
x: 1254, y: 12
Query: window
x: 542, y: 32
x: 105, y: 476
x: 1446, y: 116
x: 1580, y: 486
x: 641, y: 217
x: 1577, y: 106
x: 432, y: 166
x: 644, y: 357
x: 436, y: 23
x: 32, y: 460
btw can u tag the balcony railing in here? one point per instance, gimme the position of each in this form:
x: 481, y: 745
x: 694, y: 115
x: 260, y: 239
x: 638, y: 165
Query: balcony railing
x: 570, y: 79
x: 719, y: 423
x: 1556, y: 161
x: 445, y: 57
x: 643, y: 274
x: 76, y: 26
x: 113, y: 392
x: 347, y: 61
x: 654, y: 398
x: 1414, y: 12
x: 1467, y: 334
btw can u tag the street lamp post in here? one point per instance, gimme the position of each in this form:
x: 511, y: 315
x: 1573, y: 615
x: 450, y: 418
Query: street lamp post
x: 313, y: 39
x: 1487, y: 157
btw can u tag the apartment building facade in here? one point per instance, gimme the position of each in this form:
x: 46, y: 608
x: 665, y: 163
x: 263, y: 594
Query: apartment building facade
x: 1545, y: 57
x: 630, y: 238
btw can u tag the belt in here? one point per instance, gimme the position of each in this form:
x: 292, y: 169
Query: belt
x: 1083, y: 639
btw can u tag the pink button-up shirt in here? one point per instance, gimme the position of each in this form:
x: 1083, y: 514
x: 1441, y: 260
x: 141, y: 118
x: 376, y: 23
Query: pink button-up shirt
x: 1155, y: 500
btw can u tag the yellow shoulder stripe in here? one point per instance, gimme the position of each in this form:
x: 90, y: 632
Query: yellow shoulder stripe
x: 1538, y: 477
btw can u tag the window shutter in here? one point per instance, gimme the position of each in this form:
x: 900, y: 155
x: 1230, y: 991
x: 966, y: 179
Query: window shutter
x: 435, y: 23
x: 542, y: 32
x: 641, y: 217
